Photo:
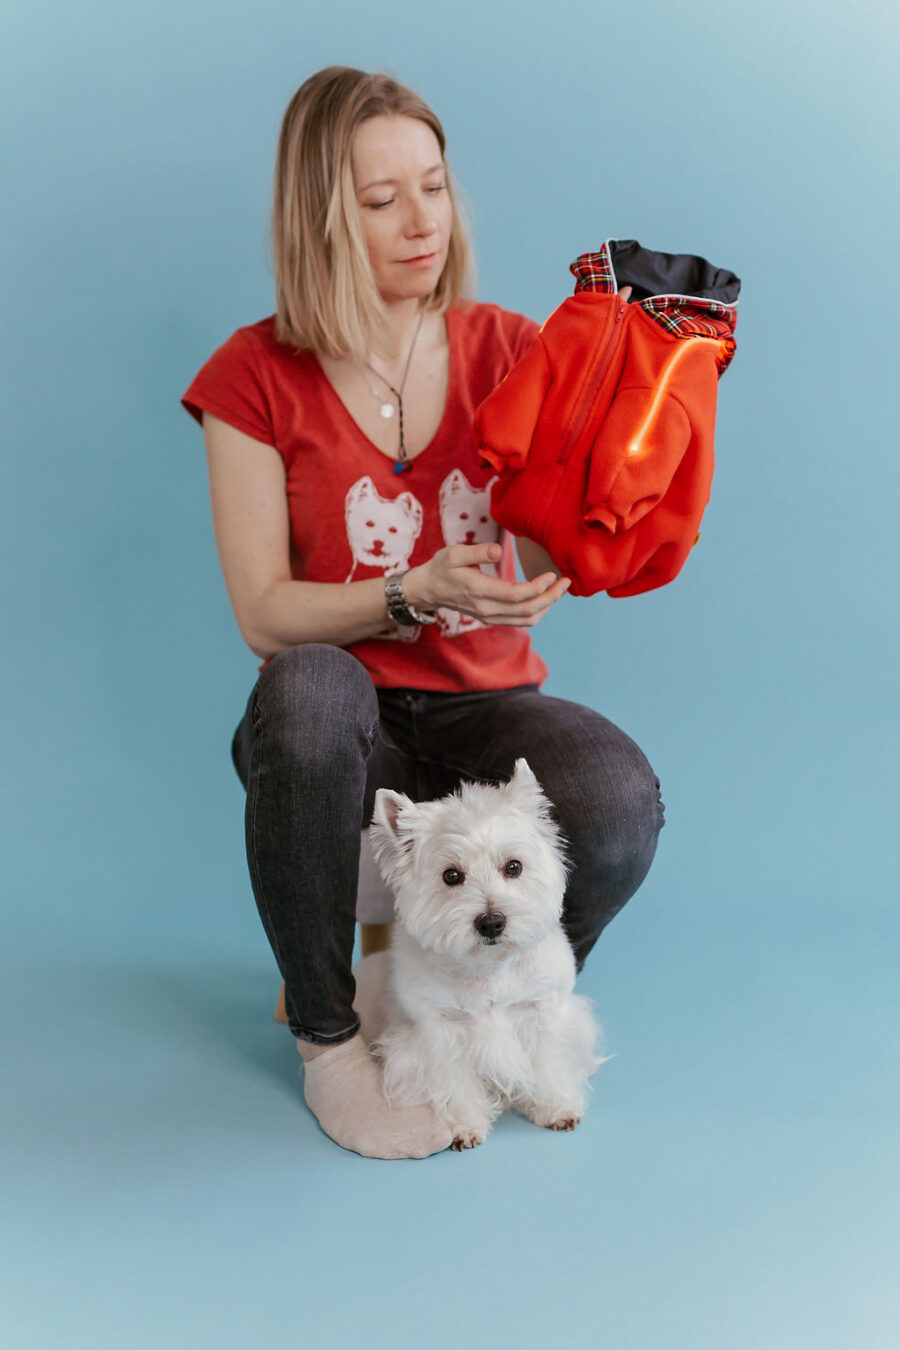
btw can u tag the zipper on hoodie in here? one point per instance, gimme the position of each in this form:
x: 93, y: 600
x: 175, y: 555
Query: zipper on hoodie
x: 601, y: 369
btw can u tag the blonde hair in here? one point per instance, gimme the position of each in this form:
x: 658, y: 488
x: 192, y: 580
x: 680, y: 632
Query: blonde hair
x: 326, y: 295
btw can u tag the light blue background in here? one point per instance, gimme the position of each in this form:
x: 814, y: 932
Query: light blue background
x: 735, y: 1182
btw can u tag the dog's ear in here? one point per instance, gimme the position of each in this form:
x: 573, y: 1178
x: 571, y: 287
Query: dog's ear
x: 388, y: 806
x: 391, y: 844
x: 522, y: 773
x: 524, y: 789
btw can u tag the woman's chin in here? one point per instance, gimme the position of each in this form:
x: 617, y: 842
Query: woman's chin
x: 411, y: 283
x: 396, y: 295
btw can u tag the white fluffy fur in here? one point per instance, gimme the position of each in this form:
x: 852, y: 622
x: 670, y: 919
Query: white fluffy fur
x: 474, y: 1027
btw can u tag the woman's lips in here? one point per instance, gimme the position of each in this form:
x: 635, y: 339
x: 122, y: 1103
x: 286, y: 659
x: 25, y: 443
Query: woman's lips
x: 424, y: 261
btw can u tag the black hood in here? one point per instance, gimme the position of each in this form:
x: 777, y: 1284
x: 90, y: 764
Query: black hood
x: 651, y: 273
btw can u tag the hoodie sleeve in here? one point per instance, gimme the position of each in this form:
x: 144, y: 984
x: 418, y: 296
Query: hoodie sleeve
x: 648, y: 429
x: 504, y: 423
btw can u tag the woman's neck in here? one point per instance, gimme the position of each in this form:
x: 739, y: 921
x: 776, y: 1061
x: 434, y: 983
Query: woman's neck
x: 401, y: 324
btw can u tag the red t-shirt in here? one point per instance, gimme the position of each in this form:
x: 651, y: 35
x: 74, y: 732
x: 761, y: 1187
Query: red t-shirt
x: 352, y: 517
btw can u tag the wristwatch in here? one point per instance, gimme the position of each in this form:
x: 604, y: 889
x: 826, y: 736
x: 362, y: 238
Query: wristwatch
x: 399, y: 608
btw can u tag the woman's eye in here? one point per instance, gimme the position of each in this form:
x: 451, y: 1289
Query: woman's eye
x: 439, y: 188
x: 453, y: 877
x: 376, y: 206
x: 513, y: 868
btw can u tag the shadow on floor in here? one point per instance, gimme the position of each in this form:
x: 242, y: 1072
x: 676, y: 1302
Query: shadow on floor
x: 231, y: 1007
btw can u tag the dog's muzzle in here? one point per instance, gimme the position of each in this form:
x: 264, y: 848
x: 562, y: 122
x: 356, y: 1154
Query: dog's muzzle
x: 490, y: 926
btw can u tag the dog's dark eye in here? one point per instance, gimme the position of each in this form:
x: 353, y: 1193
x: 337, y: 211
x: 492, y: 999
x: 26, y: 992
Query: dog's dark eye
x: 513, y: 868
x: 453, y: 876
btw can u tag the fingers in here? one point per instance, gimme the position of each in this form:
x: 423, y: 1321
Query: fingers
x: 493, y: 599
x: 484, y: 586
x: 471, y: 555
x: 534, y: 599
x: 527, y: 614
x: 496, y: 591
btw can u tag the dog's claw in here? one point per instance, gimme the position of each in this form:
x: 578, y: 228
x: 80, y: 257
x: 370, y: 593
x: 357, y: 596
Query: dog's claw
x: 465, y: 1141
x: 568, y: 1124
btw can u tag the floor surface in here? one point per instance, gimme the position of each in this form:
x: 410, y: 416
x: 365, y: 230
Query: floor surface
x: 733, y: 1184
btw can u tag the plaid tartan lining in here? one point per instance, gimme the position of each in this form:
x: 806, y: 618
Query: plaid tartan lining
x: 593, y: 272
x: 699, y: 319
x: 680, y: 315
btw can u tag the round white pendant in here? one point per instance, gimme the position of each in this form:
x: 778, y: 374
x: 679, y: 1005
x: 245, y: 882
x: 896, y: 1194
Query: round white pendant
x: 387, y: 410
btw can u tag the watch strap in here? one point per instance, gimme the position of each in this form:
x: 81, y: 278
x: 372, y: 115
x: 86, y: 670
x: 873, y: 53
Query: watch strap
x: 399, y: 608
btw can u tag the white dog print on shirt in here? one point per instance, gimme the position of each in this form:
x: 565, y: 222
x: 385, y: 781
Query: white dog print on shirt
x: 465, y: 519
x: 381, y: 533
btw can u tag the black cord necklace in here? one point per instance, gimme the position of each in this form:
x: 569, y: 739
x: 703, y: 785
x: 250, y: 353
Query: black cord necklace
x: 403, y: 464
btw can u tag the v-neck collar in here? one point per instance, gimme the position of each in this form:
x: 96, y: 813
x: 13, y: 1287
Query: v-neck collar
x: 345, y: 415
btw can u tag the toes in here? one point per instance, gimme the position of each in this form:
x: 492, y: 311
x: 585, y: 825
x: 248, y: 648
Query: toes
x: 465, y: 1140
x: 567, y: 1123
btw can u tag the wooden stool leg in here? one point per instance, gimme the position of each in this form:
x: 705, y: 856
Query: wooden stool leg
x: 373, y: 937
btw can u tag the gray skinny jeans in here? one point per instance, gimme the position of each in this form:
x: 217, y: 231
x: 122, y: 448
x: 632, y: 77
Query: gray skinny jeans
x: 318, y: 739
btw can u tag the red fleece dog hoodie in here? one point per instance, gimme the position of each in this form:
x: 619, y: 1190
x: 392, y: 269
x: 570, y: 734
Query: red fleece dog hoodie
x: 602, y: 434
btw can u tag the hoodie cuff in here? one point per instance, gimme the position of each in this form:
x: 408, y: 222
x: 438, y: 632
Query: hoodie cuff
x: 593, y: 272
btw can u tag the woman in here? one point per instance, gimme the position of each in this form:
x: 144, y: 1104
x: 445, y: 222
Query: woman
x: 352, y: 522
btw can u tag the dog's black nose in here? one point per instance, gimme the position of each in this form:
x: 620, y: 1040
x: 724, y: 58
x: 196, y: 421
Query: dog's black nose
x: 491, y: 925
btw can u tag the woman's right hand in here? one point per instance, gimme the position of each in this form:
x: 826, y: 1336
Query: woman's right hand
x: 453, y: 579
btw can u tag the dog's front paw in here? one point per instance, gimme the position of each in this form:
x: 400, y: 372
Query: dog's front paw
x: 553, y: 1117
x: 467, y: 1136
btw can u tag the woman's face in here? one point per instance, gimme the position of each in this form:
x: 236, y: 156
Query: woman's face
x: 404, y: 204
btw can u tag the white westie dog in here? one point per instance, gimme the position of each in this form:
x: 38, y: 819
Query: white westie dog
x: 480, y: 1010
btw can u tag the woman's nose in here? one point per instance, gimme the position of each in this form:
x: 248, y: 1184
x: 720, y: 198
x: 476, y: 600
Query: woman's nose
x: 421, y: 219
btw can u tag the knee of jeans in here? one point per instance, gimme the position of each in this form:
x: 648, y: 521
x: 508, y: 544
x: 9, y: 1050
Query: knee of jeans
x: 613, y: 810
x: 316, y: 683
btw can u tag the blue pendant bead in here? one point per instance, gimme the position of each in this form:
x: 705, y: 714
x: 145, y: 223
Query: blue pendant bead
x: 400, y: 467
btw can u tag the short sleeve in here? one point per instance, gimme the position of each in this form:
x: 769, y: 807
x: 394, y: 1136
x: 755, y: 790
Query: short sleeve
x: 230, y: 387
